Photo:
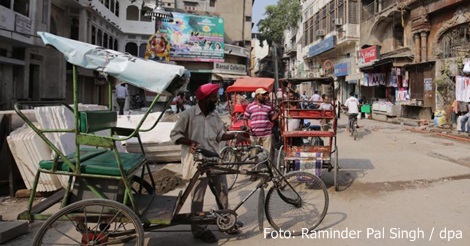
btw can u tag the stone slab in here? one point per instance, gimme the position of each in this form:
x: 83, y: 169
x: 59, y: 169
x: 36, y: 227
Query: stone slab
x: 12, y: 229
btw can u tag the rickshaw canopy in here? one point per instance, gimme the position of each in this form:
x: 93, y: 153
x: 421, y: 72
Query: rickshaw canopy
x: 250, y: 84
x: 150, y: 75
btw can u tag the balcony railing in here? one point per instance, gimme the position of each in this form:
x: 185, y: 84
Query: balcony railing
x: 348, y: 32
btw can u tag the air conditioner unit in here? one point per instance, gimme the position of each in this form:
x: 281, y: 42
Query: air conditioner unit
x: 321, y: 72
x: 321, y: 32
x: 339, y: 21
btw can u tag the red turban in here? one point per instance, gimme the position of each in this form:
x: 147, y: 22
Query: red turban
x: 205, y: 90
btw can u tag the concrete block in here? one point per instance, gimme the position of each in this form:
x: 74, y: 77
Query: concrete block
x: 12, y: 229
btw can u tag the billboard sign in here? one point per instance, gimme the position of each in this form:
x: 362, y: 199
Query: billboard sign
x: 195, y: 37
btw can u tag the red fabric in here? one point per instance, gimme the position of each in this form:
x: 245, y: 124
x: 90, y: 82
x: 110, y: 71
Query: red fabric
x: 205, y: 90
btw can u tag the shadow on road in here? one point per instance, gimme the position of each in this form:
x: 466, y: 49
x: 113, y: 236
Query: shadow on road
x: 349, y: 170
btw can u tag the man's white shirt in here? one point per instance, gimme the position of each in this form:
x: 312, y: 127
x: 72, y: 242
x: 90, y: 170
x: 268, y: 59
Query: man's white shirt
x: 353, y: 105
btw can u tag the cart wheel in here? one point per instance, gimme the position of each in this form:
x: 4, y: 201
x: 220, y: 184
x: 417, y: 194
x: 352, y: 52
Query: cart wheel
x: 298, y: 202
x: 227, y: 155
x: 281, y: 163
x: 91, y: 222
x: 335, y: 163
x: 141, y: 186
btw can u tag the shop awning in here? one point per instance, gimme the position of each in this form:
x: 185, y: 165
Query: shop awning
x: 226, y: 76
x: 249, y: 84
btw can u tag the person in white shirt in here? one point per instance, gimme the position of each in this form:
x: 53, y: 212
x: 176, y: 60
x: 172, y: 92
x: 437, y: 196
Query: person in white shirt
x: 316, y: 99
x: 121, y: 94
x: 353, y: 108
x: 304, y: 98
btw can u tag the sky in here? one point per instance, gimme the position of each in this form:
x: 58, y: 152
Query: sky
x: 258, y: 11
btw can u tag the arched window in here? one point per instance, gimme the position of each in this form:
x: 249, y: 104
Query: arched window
x: 132, y: 13
x: 99, y: 38
x: 117, y: 9
x: 143, y: 17
x: 131, y: 48
x: 116, y: 46
x: 105, y: 40
x: 142, y: 49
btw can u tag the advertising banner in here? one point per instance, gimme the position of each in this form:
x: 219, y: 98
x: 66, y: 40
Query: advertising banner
x: 368, y: 55
x: 195, y: 37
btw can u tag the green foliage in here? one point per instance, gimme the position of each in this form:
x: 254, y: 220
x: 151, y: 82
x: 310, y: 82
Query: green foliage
x: 284, y: 15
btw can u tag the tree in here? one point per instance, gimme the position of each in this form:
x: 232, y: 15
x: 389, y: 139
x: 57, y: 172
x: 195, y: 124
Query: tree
x: 284, y: 15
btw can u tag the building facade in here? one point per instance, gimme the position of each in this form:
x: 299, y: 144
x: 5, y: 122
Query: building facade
x: 323, y: 47
x: 34, y: 73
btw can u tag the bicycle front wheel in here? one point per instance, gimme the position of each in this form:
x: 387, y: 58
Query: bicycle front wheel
x: 297, y: 204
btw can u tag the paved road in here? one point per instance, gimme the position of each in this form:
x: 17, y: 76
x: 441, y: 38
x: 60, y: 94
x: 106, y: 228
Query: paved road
x: 399, y: 188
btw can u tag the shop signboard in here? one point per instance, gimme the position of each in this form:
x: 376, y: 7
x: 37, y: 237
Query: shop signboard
x: 195, y: 37
x: 368, y: 55
x: 341, y: 69
x: 230, y: 68
x: 323, y: 46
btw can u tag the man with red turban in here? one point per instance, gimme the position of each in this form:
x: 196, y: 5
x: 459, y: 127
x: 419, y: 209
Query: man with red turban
x: 201, y: 127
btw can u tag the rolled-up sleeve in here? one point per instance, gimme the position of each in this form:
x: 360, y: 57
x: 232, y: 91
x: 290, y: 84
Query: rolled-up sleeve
x: 180, y: 129
x: 220, y: 130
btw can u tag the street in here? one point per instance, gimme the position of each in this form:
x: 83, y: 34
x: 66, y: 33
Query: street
x: 398, y: 187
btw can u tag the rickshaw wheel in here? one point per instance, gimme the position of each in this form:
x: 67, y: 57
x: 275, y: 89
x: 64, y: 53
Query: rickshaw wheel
x: 82, y: 223
x: 334, y: 162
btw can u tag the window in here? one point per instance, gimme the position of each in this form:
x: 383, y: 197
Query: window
x: 116, y: 47
x: 143, y: 17
x: 45, y: 11
x: 21, y: 6
x: 111, y: 43
x: 398, y: 35
x: 117, y: 9
x: 112, y: 4
x: 99, y: 38
x: 131, y: 48
x: 132, y: 13
x: 353, y: 12
x: 212, y: 3
x: 5, y: 3
x: 105, y: 40
x: 190, y: 6
x: 74, y: 29
x: 142, y: 49
x: 93, y: 35
x: 248, y: 18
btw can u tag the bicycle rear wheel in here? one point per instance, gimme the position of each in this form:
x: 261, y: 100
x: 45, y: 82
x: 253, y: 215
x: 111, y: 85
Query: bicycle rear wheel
x: 298, y: 204
x: 228, y: 156
x: 92, y: 222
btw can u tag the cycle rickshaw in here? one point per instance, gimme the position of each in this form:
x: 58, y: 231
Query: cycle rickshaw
x: 236, y: 98
x: 107, y: 199
x: 303, y: 146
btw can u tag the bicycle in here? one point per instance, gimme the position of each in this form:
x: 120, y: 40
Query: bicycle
x: 292, y: 202
x: 353, y: 125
